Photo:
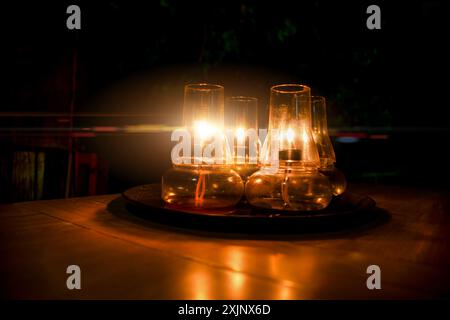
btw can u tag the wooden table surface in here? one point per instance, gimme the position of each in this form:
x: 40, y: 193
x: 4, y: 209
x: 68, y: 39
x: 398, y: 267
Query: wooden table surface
x: 123, y: 257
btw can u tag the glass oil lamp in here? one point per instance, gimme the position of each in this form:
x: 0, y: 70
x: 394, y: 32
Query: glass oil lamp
x: 292, y: 180
x: 241, y: 122
x: 325, y: 147
x: 200, y: 177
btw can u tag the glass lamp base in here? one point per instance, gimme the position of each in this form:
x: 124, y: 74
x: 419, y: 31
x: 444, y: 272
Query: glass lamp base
x: 191, y: 186
x: 336, y: 178
x: 289, y: 189
x: 245, y: 171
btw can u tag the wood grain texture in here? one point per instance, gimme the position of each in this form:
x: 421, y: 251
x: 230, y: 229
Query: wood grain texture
x: 125, y: 257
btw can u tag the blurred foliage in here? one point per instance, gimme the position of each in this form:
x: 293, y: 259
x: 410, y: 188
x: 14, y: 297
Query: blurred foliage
x: 324, y: 44
x: 307, y: 40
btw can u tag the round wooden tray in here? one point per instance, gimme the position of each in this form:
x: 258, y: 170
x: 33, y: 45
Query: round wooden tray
x: 346, y: 211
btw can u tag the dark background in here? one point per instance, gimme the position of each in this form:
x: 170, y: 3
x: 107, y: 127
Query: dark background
x: 386, y: 89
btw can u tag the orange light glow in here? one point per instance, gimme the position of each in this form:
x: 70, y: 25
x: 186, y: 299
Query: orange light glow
x: 204, y: 130
x: 290, y: 135
x: 199, y: 283
x: 240, y: 135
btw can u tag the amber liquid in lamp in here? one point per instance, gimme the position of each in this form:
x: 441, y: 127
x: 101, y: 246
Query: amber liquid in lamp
x: 294, y: 184
x: 202, y: 186
x: 246, y: 171
x: 196, y: 184
x: 325, y: 147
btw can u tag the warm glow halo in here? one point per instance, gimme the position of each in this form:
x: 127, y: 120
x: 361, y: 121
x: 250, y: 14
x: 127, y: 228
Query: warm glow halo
x: 204, y: 130
x: 290, y: 135
x: 240, y: 134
